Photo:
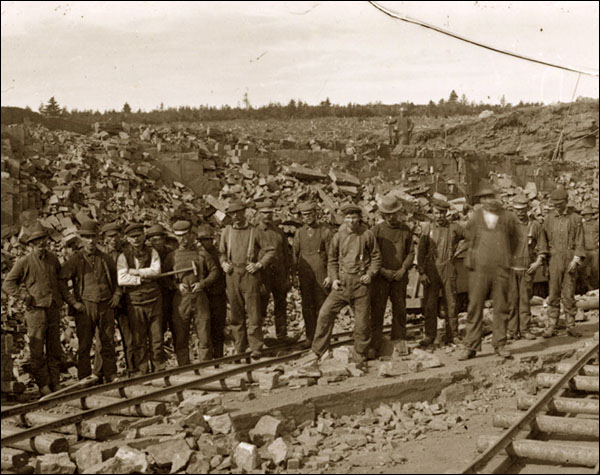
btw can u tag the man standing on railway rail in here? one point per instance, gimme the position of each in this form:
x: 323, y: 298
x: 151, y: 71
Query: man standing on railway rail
x: 565, y: 242
x: 436, y: 252
x: 137, y: 267
x: 491, y: 236
x: 95, y: 296
x: 526, y: 261
x: 39, y: 271
x: 311, y: 243
x: 238, y: 251
x: 113, y: 246
x: 216, y: 292
x: 394, y: 240
x: 190, y: 302
x: 354, y: 259
x: 276, y: 277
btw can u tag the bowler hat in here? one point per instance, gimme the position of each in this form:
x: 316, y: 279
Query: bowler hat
x: 485, y: 190
x: 37, y: 232
x: 389, y: 204
x: 156, y: 230
x: 133, y: 228
x: 520, y: 202
x: 181, y: 227
x: 88, y: 228
x: 111, y: 229
x: 559, y: 195
x: 307, y: 207
x: 350, y: 208
x: 236, y: 205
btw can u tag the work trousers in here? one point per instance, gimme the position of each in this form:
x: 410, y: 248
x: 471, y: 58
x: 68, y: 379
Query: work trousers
x: 313, y: 296
x: 191, y: 309
x: 382, y: 290
x: 590, y: 271
x: 167, y: 311
x: 43, y: 330
x: 122, y: 321
x: 243, y: 293
x: 483, y: 282
x: 217, y: 304
x: 561, y: 288
x: 97, y: 320
x: 520, y: 291
x: 276, y: 288
x: 434, y: 305
x: 146, y: 325
x: 358, y: 296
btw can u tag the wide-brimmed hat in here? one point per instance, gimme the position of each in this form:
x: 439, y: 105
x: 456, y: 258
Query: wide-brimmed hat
x: 559, y: 195
x: 88, y: 228
x: 389, y: 204
x: 181, y: 227
x: 37, y: 231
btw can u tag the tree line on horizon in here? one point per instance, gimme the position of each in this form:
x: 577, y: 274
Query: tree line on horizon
x: 294, y: 109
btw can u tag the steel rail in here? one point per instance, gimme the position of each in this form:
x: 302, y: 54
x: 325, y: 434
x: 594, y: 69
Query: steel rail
x: 529, y: 417
x: 133, y: 401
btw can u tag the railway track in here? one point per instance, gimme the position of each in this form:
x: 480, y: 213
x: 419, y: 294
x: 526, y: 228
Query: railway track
x: 558, y: 428
x: 31, y: 427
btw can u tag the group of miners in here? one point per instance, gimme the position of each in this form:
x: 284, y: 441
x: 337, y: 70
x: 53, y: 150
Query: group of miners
x: 149, y: 282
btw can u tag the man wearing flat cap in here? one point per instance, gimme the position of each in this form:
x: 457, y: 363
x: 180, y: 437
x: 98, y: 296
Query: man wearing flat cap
x: 491, y: 238
x: 137, y: 267
x: 239, y: 248
x: 94, y: 297
x: 436, y: 252
x: 216, y: 292
x: 190, y: 302
x: 525, y: 263
x: 354, y: 260
x: 311, y: 243
x: 589, y: 272
x: 394, y: 239
x: 565, y: 243
x: 277, y: 276
x: 113, y: 245
x: 164, y: 245
x: 38, y: 271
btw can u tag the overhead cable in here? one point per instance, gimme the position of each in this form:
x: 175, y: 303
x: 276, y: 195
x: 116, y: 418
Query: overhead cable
x: 407, y: 19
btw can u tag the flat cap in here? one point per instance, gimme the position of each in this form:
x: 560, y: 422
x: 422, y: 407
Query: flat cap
x: 236, y: 205
x: 205, y: 232
x: 587, y: 210
x: 520, y: 202
x: 350, y: 208
x: 307, y: 207
x: 37, y: 231
x: 181, y: 227
x: 111, y: 229
x: 485, y: 190
x: 266, y: 205
x: 440, y: 204
x: 559, y: 195
x: 88, y: 228
x: 134, y: 228
x: 156, y: 230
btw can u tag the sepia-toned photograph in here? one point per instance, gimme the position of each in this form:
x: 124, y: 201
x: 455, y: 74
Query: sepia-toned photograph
x: 300, y: 237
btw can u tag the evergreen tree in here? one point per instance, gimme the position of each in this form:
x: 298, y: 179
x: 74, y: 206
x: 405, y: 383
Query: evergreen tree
x: 453, y: 97
x: 52, y: 109
x: 126, y: 108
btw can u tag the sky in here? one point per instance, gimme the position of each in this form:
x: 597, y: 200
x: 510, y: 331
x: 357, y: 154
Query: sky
x: 99, y: 55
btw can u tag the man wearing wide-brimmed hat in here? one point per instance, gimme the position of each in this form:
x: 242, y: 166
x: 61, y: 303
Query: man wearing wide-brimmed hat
x: 95, y: 296
x: 137, y: 268
x: 311, y: 242
x: 394, y: 239
x: 190, y: 302
x: 566, y: 246
x: 277, y: 276
x: 354, y: 260
x: 589, y: 273
x: 491, y: 236
x: 38, y: 271
x: 239, y: 248
x: 436, y: 252
x: 526, y: 261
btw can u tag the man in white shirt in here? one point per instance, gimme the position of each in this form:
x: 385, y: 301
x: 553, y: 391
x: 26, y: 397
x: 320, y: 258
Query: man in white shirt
x: 137, y: 266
